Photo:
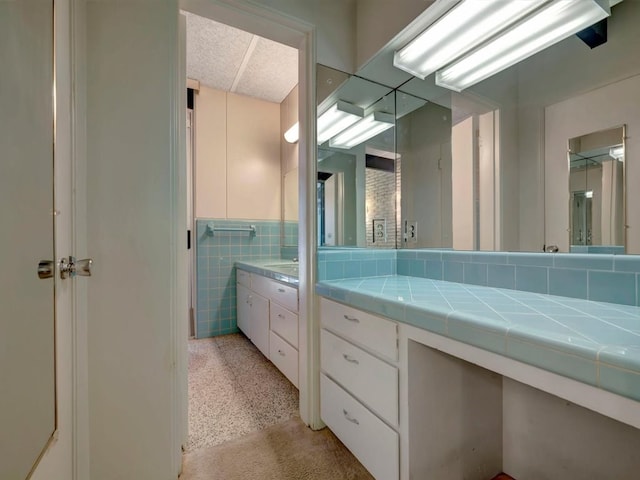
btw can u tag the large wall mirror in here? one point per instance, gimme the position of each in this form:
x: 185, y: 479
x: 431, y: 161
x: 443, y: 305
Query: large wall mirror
x: 486, y: 168
x: 356, y: 165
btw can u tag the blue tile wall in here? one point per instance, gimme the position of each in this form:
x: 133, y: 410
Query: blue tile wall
x: 216, y: 276
x: 334, y: 263
x: 607, y: 249
x: 290, y: 233
x: 598, y: 277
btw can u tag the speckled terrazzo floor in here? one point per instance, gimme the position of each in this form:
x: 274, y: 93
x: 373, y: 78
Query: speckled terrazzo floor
x: 234, y: 390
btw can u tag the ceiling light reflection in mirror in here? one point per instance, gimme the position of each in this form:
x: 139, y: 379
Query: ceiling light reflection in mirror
x: 370, y: 126
x: 336, y: 118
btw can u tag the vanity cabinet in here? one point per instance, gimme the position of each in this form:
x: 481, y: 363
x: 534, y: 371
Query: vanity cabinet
x: 268, y: 315
x: 359, y: 385
x: 253, y: 317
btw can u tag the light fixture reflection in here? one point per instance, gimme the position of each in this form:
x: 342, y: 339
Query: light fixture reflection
x: 617, y: 153
x: 370, y: 126
x: 339, y: 116
x: 465, y: 26
x: 547, y: 26
x: 293, y: 133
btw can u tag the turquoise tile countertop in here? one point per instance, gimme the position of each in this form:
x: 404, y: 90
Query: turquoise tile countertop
x: 594, y: 342
x: 277, y: 268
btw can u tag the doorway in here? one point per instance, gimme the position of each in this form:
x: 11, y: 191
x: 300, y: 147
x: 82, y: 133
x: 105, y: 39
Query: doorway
x: 253, y: 45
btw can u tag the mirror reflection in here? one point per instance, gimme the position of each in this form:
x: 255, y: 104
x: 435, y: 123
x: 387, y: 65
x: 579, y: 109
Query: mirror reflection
x: 596, y: 191
x: 486, y: 168
x: 357, y: 183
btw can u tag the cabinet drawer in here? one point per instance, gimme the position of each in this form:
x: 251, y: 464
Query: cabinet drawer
x: 285, y: 295
x: 284, y: 323
x: 369, y: 379
x: 373, y: 332
x: 243, y: 277
x: 285, y: 357
x: 369, y: 439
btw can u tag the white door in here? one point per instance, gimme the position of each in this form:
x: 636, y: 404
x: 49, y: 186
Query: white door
x: 34, y: 368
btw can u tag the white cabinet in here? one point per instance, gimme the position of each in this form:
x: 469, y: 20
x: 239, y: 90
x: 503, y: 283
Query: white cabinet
x: 365, y: 435
x: 285, y: 357
x: 243, y: 309
x: 253, y: 317
x: 268, y: 314
x: 359, y: 385
x: 260, y: 323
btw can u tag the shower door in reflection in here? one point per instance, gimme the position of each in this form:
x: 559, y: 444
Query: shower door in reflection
x: 27, y: 324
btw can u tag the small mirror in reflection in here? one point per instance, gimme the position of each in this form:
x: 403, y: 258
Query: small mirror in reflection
x: 596, y: 191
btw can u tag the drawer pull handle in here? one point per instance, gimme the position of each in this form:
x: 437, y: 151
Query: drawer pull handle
x: 281, y: 290
x: 281, y: 353
x: 351, y: 319
x: 350, y: 418
x: 350, y: 359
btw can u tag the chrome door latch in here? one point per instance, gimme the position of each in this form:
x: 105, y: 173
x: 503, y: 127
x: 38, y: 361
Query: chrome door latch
x: 45, y: 269
x: 70, y: 267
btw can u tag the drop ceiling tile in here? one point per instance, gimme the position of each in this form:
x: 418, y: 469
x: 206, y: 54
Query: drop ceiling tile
x: 214, y: 51
x: 271, y: 72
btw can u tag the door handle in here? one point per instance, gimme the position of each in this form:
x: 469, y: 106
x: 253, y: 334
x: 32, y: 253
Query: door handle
x: 70, y: 267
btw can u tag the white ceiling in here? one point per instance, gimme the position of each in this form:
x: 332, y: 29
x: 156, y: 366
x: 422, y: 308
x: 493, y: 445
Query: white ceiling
x: 232, y: 60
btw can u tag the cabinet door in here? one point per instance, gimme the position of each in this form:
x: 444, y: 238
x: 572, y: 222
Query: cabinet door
x: 243, y: 296
x: 260, y: 323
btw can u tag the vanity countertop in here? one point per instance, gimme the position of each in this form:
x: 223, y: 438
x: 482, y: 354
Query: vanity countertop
x: 592, y: 342
x: 280, y: 269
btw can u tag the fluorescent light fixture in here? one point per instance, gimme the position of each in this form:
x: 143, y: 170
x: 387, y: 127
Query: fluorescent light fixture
x: 368, y: 127
x: 550, y: 24
x: 462, y: 28
x: 617, y: 153
x: 293, y: 133
x: 339, y: 116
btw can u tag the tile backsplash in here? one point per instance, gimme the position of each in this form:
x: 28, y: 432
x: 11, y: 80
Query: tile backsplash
x: 599, y: 277
x: 216, y: 277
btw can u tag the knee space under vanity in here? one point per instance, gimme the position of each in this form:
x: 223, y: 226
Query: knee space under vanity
x: 468, y: 422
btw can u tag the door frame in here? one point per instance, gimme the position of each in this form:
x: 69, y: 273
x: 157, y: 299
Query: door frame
x: 298, y: 34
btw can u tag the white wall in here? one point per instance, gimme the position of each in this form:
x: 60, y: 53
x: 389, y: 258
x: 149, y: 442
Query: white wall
x: 547, y: 438
x: 131, y: 132
x: 237, y: 156
x: 424, y: 138
x: 463, y: 148
x: 334, y: 21
x: 378, y: 21
x: 288, y: 118
x: 210, y: 153
x: 253, y: 159
x: 600, y: 109
x: 289, y: 156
